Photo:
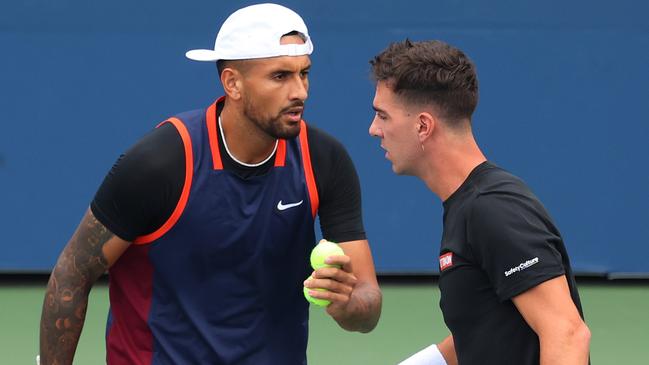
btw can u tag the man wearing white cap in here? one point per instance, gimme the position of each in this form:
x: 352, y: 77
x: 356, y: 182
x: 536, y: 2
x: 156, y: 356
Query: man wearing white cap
x: 205, y: 225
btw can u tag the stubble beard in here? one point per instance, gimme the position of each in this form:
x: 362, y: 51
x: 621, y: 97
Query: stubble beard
x: 271, y: 125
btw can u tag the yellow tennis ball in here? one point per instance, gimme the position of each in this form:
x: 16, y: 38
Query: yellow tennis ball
x: 323, y: 250
x: 317, y: 301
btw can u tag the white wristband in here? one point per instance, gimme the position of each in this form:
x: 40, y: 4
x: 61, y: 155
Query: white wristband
x: 428, y: 356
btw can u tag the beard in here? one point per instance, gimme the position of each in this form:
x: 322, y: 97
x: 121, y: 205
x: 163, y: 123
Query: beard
x: 272, y: 124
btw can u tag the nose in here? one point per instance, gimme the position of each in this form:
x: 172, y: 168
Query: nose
x: 374, y: 130
x: 300, y: 89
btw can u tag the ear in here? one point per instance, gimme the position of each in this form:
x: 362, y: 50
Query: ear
x: 425, y: 126
x: 232, y: 82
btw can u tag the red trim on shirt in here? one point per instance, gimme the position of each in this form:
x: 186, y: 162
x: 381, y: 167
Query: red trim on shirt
x: 213, y: 134
x: 184, y: 196
x: 280, y: 155
x: 308, y: 170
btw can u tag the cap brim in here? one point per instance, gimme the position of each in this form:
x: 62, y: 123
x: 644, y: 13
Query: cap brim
x: 205, y: 55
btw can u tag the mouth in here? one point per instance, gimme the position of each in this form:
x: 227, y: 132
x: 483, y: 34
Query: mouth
x: 386, y: 151
x: 295, y: 113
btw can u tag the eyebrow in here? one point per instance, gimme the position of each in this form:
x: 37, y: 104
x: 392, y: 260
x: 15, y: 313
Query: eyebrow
x: 378, y: 109
x: 282, y: 69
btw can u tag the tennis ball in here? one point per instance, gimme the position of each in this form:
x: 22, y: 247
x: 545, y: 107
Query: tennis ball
x: 317, y: 301
x: 323, y: 250
x: 319, y: 253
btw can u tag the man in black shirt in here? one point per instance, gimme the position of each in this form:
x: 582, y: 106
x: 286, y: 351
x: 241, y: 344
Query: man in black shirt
x: 508, y: 294
x: 205, y: 225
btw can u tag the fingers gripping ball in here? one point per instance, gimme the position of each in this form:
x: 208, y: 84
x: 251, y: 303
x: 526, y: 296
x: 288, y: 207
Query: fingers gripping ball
x: 319, y: 254
x: 316, y: 301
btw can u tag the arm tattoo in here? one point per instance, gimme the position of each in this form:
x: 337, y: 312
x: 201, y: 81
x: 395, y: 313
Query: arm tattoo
x: 64, y: 309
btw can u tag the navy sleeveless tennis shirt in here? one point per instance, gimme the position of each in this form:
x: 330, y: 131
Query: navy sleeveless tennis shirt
x: 221, y: 281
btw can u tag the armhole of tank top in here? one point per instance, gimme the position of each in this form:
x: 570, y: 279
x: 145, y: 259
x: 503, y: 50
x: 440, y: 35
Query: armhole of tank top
x: 308, y: 170
x: 184, y: 196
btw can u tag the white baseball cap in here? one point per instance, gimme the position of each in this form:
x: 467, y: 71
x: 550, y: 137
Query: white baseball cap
x: 255, y: 32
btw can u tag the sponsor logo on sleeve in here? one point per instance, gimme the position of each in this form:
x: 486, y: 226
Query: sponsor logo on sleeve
x: 445, y: 261
x: 522, y: 266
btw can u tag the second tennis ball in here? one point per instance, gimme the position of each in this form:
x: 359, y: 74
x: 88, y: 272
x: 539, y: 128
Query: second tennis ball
x: 316, y: 301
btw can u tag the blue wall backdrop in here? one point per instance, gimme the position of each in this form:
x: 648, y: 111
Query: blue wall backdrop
x: 564, y: 105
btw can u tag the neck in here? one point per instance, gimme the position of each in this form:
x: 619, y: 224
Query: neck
x: 245, y: 141
x: 447, y: 165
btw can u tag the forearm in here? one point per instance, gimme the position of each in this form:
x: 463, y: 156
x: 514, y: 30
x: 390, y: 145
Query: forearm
x: 447, y: 348
x: 363, y: 310
x: 66, y: 300
x: 569, y: 345
x: 63, y: 315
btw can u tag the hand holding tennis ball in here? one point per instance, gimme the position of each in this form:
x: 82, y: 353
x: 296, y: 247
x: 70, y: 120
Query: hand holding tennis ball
x: 319, y: 254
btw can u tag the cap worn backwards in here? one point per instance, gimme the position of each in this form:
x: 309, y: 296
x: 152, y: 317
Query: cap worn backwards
x: 255, y: 32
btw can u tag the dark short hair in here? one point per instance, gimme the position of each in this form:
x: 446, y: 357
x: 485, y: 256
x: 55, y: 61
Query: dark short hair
x: 221, y: 65
x: 430, y: 73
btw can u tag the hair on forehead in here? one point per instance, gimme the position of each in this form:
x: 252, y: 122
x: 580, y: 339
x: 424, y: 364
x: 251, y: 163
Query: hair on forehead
x: 429, y: 73
x: 295, y: 33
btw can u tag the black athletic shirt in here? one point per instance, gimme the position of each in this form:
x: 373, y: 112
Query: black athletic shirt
x: 498, y: 241
x: 143, y: 187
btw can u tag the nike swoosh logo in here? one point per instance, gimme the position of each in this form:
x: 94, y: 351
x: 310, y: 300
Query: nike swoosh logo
x: 281, y: 206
